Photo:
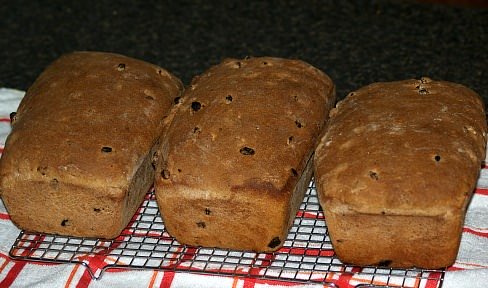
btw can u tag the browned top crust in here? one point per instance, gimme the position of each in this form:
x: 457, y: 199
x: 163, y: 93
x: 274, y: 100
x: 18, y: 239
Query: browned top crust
x: 89, y: 119
x: 410, y: 147
x: 246, y: 125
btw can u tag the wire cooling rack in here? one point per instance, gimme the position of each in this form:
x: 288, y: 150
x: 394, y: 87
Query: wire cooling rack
x: 307, y: 254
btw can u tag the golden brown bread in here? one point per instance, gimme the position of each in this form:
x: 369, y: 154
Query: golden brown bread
x: 396, y: 168
x: 78, y: 159
x: 235, y: 160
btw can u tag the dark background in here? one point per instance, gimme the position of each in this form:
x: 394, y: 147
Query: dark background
x: 355, y: 42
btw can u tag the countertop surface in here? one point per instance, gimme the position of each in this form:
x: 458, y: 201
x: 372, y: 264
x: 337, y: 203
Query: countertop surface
x: 355, y: 42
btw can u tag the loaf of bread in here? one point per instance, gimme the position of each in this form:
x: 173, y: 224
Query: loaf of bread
x: 395, y: 170
x: 78, y: 159
x: 235, y: 159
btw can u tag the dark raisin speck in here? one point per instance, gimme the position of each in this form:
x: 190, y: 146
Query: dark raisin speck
x: 294, y: 172
x: 298, y: 124
x: 64, y: 222
x: 177, y: 100
x: 373, y: 175
x: 121, y: 67
x: 247, y: 151
x: 274, y: 243
x: 195, y: 106
x: 437, y: 158
x: 228, y: 99
x: 385, y: 263
x: 13, y: 117
x: 201, y: 224
x: 96, y: 209
x: 106, y: 149
x: 207, y: 211
x: 290, y: 139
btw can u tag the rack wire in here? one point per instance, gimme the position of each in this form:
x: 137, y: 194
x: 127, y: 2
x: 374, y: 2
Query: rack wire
x: 307, y: 254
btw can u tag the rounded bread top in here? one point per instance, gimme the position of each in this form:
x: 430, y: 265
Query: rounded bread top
x: 406, y: 147
x: 89, y: 119
x: 247, y: 125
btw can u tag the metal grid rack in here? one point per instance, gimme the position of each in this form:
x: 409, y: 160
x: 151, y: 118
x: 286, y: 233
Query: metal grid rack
x: 307, y: 254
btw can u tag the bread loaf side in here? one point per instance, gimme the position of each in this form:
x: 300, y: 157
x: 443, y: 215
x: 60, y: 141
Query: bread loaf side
x: 78, y: 159
x: 235, y: 160
x: 396, y: 168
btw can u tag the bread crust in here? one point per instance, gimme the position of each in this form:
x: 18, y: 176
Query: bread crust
x: 400, y: 159
x: 235, y: 149
x: 78, y: 159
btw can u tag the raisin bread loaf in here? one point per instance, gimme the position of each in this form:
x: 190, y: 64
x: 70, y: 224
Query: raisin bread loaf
x: 395, y: 170
x: 78, y: 159
x: 235, y: 159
